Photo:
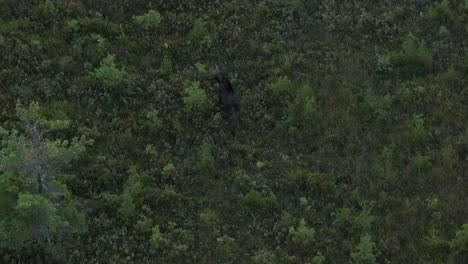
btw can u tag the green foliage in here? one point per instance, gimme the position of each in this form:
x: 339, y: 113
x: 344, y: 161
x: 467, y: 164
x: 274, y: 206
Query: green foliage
x: 260, y: 164
x: 109, y: 77
x: 384, y: 64
x: 258, y: 201
x: 73, y: 25
x: 348, y: 121
x: 413, y: 58
x: 302, y: 235
x: 199, y: 30
x: 460, y: 242
x: 168, y: 169
x: 40, y: 158
x: 363, y: 253
x: 156, y: 237
x: 265, y: 257
x: 154, y: 121
x: 319, y: 259
x: 282, y: 86
x: 148, y: 21
x: 439, y: 12
x: 420, y: 162
x: 302, y: 109
x: 443, y: 32
x: 201, y: 67
x: 206, y: 161
x: 433, y: 240
x: 33, y: 212
x: 312, y: 182
x: 195, y: 98
x: 127, y: 207
x: 365, y: 219
x: 34, y: 120
x: 209, y: 216
x: 362, y: 221
x: 47, y: 10
x: 38, y: 213
x: 166, y: 65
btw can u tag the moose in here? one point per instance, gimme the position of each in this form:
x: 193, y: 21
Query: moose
x: 226, y: 95
x: 228, y: 99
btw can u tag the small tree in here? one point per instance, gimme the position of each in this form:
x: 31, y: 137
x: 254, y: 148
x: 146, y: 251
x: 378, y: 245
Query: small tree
x: 36, y: 206
x: 302, y: 235
x: 460, y: 242
x: 413, y: 57
x: 198, y: 31
x: 148, y: 21
x: 206, y: 161
x: 302, y: 109
x: 196, y: 98
x: 110, y: 77
x: 362, y: 253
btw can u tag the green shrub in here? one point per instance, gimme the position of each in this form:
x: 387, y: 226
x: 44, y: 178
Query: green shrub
x: 413, y: 58
x: 318, y: 258
x: 156, y: 237
x: 198, y: 31
x: 281, y: 86
x: 169, y: 168
x: 67, y: 64
x: 47, y: 10
x: 166, y: 65
x: 73, y: 25
x: 443, y: 32
x: 439, y: 12
x: 206, y: 161
x: 209, y: 216
x: 383, y: 64
x: 109, y: 76
x: 265, y: 257
x: 362, y: 253
x: 460, y: 241
x: 201, y: 67
x: 127, y: 208
x: 148, y: 21
x: 154, y: 122
x: 302, y: 108
x: 196, y: 98
x: 257, y: 201
x: 302, y: 235
x: 260, y: 164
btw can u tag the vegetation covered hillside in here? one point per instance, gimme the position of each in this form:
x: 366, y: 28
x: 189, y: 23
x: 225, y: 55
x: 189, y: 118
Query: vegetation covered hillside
x: 351, y: 144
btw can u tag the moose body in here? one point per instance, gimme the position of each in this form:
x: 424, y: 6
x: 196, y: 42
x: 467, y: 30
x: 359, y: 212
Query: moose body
x: 228, y: 99
x: 226, y: 95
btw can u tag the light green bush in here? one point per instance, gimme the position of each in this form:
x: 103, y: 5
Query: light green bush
x: 363, y: 253
x: 281, y: 86
x: 196, y: 98
x: 198, y: 31
x: 148, y: 21
x: 156, y: 237
x: 302, y: 235
x: 109, y: 76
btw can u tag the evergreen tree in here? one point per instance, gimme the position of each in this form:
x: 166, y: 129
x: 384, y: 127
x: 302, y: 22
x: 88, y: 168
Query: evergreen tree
x: 37, y: 209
